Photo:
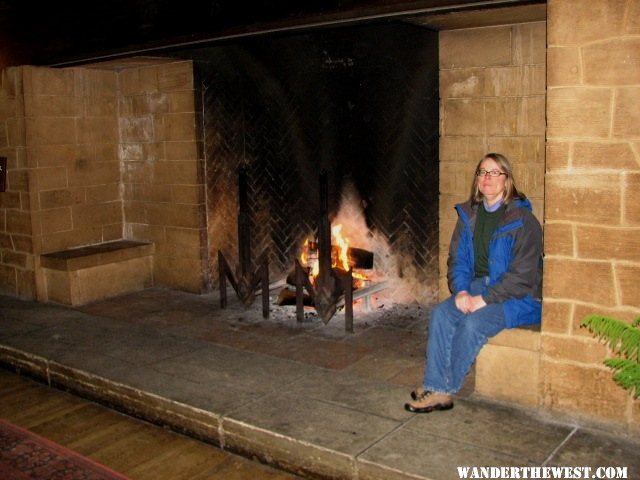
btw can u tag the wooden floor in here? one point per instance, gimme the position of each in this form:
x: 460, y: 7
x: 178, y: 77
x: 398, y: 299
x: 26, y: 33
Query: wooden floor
x: 131, y: 447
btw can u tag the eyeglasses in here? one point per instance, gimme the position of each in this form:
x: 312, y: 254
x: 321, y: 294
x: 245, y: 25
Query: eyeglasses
x: 492, y: 173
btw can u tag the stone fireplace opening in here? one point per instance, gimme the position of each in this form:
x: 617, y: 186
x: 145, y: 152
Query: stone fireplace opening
x: 361, y: 104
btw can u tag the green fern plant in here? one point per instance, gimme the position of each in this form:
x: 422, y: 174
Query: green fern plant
x: 624, y: 340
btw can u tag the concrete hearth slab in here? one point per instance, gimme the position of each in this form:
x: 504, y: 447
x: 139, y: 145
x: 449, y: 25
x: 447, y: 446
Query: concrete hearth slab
x: 307, y: 397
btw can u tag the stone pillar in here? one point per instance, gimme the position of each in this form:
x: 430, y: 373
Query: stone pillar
x: 592, y: 200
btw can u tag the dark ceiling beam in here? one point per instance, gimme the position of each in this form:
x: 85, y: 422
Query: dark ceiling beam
x: 74, y: 32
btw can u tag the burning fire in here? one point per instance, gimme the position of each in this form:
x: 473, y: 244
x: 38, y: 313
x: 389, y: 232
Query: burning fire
x: 339, y: 256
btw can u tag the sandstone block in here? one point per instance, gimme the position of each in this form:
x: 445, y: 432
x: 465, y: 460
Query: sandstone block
x: 18, y: 180
x: 131, y: 151
x: 461, y: 83
x: 631, y: 213
x: 50, y: 242
x: 480, y: 47
x: 515, y: 116
x: 52, y: 106
x: 136, y: 129
x: 16, y: 132
x: 559, y: 239
x: 591, y: 105
x: 96, y: 130
x: 522, y: 338
x: 578, y: 280
x: 10, y: 200
x: 582, y: 311
x: 135, y: 212
x: 18, y: 221
x: 20, y: 260
x: 626, y: 116
x: 55, y: 220
x: 94, y: 215
x: 523, y: 80
x: 50, y: 131
x: 608, y: 243
x: 575, y: 349
x: 614, y: 62
x: 564, y: 67
x: 66, y: 197
x: 26, y: 284
x: 50, y: 155
x: 181, y: 273
x: 509, y: 374
x: 85, y: 172
x: 585, y: 389
x: 178, y: 127
x: 463, y: 117
x: 5, y: 241
x: 188, y: 194
x: 529, y: 43
x: 592, y: 155
x: 137, y: 172
x: 628, y: 285
x: 99, y: 83
x: 52, y: 178
x: 4, y: 136
x: 557, y: 155
x: 7, y: 280
x: 102, y: 193
x: 569, y: 23
x: 134, y: 81
x: 100, y: 107
x: 22, y: 243
x: 175, y: 76
x: 177, y: 173
x: 521, y: 150
x: 187, y: 216
x: 556, y: 316
x: 180, y: 102
x: 181, y: 150
x: 633, y: 18
x: 106, y: 152
x: 49, y: 81
x: 588, y: 198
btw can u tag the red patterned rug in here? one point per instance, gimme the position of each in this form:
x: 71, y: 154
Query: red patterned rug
x: 25, y: 455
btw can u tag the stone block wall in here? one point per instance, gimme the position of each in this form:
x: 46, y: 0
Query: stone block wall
x: 99, y: 154
x: 72, y: 155
x: 163, y: 170
x: 492, y: 99
x: 17, y: 262
x: 592, y: 222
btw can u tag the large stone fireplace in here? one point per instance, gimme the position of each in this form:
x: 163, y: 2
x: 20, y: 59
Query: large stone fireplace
x: 115, y: 151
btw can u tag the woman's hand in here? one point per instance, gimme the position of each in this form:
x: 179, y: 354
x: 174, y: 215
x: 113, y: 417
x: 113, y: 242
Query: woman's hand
x: 463, y: 301
x: 476, y: 303
x: 468, y: 304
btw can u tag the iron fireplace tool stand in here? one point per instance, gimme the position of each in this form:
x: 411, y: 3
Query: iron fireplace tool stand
x: 247, y: 279
x: 331, y: 283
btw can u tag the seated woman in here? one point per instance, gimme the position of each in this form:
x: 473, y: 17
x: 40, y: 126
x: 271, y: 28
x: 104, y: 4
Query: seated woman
x: 495, y: 276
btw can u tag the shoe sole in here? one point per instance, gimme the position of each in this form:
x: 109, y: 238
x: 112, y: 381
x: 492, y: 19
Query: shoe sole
x: 431, y: 408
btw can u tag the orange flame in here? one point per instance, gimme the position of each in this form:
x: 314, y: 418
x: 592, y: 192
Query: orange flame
x: 339, y: 255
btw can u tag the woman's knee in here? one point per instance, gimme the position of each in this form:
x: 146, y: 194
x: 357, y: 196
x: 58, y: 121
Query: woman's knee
x: 441, y: 313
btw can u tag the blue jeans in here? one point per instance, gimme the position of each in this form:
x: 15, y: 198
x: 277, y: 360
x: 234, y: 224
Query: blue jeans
x: 455, y: 339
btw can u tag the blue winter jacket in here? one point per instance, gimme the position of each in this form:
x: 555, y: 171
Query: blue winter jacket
x: 515, y: 261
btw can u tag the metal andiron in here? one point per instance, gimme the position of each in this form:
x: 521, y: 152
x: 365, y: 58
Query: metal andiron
x: 248, y: 279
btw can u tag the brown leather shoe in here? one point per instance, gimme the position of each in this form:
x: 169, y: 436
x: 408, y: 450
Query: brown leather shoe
x: 427, y: 401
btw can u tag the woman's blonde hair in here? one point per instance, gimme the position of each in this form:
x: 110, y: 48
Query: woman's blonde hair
x: 510, y: 189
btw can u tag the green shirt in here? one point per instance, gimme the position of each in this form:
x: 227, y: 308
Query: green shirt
x: 486, y: 224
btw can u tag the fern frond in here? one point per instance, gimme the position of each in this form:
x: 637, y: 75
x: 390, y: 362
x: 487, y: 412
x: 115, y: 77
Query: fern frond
x: 620, y: 336
x: 627, y: 374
